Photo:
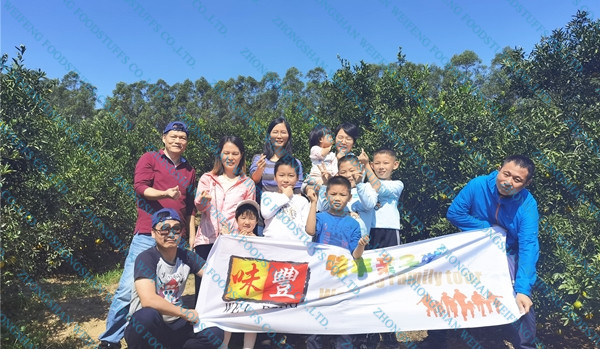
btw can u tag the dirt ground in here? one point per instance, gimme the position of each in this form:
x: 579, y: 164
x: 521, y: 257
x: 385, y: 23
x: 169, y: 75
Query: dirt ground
x: 90, y: 313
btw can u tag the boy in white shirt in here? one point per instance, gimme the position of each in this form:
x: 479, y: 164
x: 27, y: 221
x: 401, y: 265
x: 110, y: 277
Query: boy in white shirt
x: 284, y: 213
x: 385, y: 227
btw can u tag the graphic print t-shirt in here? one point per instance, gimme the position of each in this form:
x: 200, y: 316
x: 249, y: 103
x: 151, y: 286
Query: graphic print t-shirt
x: 169, y: 278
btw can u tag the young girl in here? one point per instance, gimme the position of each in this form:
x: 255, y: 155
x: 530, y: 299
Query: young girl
x: 346, y: 135
x: 246, y: 217
x: 218, y: 194
x: 284, y: 212
x: 321, y: 156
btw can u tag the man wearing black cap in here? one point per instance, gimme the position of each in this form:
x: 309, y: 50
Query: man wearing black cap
x: 158, y: 319
x: 162, y: 179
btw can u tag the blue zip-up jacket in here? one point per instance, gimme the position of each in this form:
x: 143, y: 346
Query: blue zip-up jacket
x: 478, y: 206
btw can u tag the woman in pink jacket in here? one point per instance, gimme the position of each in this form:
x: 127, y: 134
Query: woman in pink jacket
x: 219, y: 191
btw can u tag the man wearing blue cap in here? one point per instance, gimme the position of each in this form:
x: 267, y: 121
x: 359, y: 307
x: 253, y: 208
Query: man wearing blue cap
x: 158, y: 318
x: 161, y: 180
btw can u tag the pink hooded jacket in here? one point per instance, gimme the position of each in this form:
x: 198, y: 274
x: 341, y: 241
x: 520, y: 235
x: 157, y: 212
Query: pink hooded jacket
x: 222, y: 205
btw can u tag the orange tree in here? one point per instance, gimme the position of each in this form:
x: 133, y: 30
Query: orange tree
x: 448, y: 125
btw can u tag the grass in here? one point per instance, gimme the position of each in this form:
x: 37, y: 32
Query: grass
x: 29, y: 314
x: 111, y: 277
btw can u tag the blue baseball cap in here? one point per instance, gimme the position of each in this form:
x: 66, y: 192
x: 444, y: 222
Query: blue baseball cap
x: 176, y: 126
x: 163, y: 215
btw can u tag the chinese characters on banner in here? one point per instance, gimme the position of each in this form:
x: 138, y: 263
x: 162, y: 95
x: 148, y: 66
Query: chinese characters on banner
x: 266, y: 281
x: 454, y: 281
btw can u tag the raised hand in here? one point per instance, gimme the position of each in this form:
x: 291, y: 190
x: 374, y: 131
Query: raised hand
x: 225, y: 228
x: 364, y: 240
x: 312, y: 195
x: 173, y: 193
x: 325, y: 175
x: 363, y: 158
x: 261, y: 162
x: 288, y: 191
x: 205, y: 199
x: 247, y: 233
x: 357, y: 176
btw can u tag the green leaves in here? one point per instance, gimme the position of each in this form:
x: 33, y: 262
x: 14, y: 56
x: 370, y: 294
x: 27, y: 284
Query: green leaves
x: 448, y: 121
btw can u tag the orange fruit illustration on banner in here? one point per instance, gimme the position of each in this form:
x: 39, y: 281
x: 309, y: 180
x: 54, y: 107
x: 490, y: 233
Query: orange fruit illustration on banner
x: 266, y: 281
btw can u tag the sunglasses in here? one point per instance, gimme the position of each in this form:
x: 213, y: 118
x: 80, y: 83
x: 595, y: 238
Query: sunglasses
x: 167, y: 229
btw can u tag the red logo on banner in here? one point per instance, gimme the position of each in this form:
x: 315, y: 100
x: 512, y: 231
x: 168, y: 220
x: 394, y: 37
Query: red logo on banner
x: 265, y: 281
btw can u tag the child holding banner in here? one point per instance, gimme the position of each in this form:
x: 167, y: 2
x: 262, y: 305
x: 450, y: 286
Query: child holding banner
x: 334, y: 227
x: 385, y: 227
x: 285, y: 214
x: 246, y: 217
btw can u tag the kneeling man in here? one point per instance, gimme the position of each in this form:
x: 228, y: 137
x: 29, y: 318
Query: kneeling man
x: 158, y: 317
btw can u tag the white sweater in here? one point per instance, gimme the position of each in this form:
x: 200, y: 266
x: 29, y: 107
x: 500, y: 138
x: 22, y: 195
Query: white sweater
x: 285, y: 218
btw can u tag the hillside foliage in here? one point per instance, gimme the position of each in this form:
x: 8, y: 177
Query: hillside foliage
x: 544, y: 104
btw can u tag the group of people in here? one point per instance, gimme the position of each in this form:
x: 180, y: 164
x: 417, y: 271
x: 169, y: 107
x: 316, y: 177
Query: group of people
x: 346, y: 200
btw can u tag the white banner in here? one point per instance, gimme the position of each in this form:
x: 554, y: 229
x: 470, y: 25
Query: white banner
x: 255, y: 284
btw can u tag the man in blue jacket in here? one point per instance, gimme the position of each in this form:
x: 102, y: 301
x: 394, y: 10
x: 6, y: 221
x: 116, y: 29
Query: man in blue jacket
x: 500, y: 199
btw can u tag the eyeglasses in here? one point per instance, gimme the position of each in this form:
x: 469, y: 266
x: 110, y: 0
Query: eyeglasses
x: 167, y: 229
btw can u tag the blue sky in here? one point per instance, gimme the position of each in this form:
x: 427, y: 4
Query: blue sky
x: 130, y: 40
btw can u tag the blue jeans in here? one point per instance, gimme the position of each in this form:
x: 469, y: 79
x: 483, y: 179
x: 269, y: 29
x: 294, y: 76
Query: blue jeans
x: 117, y: 314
